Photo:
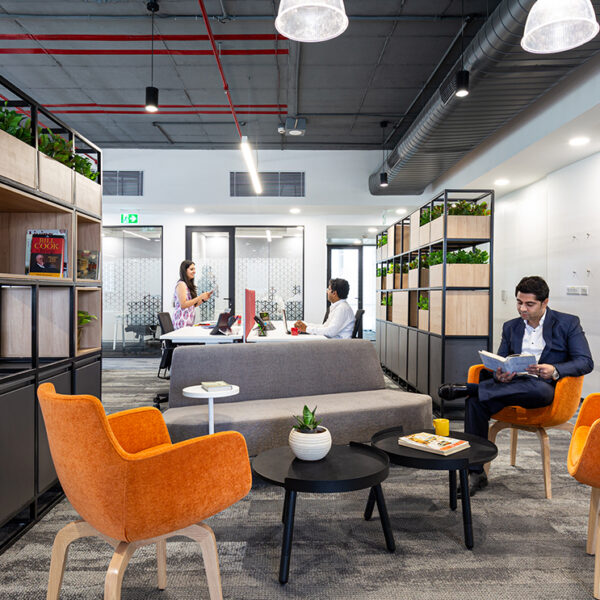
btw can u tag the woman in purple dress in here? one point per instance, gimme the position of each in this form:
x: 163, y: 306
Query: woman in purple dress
x: 186, y: 298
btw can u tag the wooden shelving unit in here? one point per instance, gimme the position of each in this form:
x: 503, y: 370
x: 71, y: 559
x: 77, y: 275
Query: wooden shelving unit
x: 38, y: 315
x: 425, y: 348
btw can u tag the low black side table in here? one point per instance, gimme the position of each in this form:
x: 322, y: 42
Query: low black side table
x: 344, y: 469
x: 480, y: 452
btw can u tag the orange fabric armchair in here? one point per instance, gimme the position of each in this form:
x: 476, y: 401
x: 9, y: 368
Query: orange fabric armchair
x: 133, y: 487
x: 567, y: 395
x: 583, y: 463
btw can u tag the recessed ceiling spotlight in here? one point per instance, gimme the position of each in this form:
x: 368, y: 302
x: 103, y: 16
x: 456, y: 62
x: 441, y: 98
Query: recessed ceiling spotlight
x: 372, y: 230
x: 502, y: 181
x: 295, y: 211
x: 189, y: 210
x: 579, y: 141
x: 400, y: 211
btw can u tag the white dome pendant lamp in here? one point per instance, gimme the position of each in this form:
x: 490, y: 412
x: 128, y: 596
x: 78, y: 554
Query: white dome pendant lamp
x: 311, y: 20
x: 559, y: 25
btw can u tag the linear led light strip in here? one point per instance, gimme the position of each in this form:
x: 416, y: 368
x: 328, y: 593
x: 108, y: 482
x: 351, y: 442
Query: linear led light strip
x: 247, y: 153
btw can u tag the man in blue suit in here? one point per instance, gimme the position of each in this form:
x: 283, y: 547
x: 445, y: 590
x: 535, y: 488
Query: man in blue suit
x: 555, y: 339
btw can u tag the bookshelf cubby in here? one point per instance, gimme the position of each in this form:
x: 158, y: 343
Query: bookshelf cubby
x: 425, y: 348
x: 38, y: 315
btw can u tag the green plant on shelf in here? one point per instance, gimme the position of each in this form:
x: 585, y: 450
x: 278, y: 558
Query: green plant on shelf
x: 389, y: 299
x: 419, y: 263
x: 397, y: 268
x: 459, y: 208
x: 413, y: 264
x: 461, y: 257
x: 423, y: 303
x: 378, y: 271
x: 390, y: 268
x: 49, y: 143
x: 307, y: 423
x: 384, y: 300
x: 405, y: 267
x: 431, y: 214
x: 84, y: 317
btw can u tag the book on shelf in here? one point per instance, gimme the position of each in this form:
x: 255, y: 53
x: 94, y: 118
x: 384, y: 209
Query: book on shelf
x: 87, y: 264
x: 46, y: 252
x: 515, y: 363
x: 436, y: 444
x: 216, y: 386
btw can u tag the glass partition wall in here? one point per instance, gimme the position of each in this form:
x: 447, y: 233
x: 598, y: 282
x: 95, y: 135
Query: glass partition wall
x: 132, y: 290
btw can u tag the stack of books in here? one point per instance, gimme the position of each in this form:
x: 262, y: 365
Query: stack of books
x: 216, y: 386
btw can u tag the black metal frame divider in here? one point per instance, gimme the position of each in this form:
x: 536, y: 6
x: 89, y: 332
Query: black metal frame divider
x: 38, y: 330
x: 422, y: 359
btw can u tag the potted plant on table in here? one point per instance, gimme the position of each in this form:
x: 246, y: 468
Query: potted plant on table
x: 308, y: 439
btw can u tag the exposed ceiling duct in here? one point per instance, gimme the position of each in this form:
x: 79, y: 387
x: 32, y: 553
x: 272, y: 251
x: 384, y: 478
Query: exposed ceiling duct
x: 504, y: 80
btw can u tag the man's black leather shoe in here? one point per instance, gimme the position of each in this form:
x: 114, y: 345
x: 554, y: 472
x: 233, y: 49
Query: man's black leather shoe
x: 477, y: 481
x: 450, y: 391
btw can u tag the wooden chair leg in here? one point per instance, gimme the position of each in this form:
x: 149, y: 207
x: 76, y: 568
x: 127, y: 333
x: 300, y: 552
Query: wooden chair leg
x: 493, y: 431
x: 545, y: 444
x: 593, y: 523
x: 597, y: 565
x: 161, y: 559
x: 60, y: 549
x: 204, y: 535
x: 116, y: 570
x: 514, y: 437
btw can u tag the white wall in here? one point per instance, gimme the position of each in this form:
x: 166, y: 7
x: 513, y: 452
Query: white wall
x: 336, y: 194
x: 552, y: 229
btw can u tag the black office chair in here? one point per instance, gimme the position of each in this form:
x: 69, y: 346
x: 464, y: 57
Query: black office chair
x: 357, y: 331
x: 166, y: 326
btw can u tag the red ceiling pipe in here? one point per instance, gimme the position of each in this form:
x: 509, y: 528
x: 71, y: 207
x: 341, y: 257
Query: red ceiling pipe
x: 214, y: 47
x: 168, y: 112
x: 141, y: 51
x: 138, y: 38
x: 96, y: 105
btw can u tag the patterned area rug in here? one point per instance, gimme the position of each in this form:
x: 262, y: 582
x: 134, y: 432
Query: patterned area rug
x: 525, y: 546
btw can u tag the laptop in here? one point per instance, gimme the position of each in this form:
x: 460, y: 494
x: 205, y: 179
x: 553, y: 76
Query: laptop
x: 287, y: 329
x: 222, y: 326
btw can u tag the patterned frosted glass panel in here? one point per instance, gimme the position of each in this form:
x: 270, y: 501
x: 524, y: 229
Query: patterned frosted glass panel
x: 269, y: 261
x: 344, y: 264
x: 131, y: 290
x: 210, y: 253
x: 369, y: 292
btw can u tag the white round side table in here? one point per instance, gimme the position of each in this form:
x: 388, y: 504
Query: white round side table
x: 197, y: 391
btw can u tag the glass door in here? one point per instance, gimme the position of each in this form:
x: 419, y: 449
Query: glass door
x: 212, y: 250
x: 355, y: 264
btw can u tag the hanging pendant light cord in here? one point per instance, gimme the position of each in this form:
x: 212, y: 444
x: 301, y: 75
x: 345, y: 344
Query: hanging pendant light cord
x: 462, y: 35
x: 152, y: 54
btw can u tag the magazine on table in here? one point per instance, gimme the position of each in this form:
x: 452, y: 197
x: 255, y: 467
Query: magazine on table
x: 42, y: 250
x: 216, y: 386
x: 436, y: 444
x: 515, y: 363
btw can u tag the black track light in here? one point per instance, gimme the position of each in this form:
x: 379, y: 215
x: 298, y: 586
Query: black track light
x: 383, y: 179
x: 151, y: 91
x: 462, y: 83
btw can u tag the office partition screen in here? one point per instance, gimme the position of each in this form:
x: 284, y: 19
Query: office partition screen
x: 132, y: 290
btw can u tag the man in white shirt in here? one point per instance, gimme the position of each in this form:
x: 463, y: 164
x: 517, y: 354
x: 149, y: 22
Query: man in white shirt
x: 340, y: 322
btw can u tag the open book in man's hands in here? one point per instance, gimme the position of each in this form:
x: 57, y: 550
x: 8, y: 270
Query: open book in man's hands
x: 515, y: 363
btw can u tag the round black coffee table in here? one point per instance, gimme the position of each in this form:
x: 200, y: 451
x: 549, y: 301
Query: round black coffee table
x: 344, y: 469
x: 481, y: 451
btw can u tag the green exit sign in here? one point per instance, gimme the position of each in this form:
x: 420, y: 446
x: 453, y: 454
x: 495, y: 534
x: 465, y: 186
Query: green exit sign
x: 129, y: 219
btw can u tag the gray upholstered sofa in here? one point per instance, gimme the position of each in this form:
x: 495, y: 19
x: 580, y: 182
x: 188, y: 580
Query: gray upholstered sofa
x: 342, y: 378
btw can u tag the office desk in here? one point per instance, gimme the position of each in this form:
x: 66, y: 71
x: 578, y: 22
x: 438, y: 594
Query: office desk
x: 279, y: 335
x: 199, y: 335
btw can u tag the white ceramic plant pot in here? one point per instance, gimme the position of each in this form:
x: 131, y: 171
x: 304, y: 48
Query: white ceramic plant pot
x: 310, y: 446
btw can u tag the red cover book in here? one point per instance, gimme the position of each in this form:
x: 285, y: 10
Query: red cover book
x: 46, y: 258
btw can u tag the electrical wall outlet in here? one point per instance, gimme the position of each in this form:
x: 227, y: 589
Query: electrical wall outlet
x: 583, y: 290
x: 572, y: 290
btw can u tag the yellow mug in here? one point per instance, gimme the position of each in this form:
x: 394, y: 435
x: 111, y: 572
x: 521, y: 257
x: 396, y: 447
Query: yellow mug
x: 442, y: 426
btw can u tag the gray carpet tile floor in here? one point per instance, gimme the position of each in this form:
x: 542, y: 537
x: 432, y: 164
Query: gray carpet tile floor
x: 525, y: 545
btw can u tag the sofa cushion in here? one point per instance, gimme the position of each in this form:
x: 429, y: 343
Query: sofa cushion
x: 277, y: 370
x: 349, y: 416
